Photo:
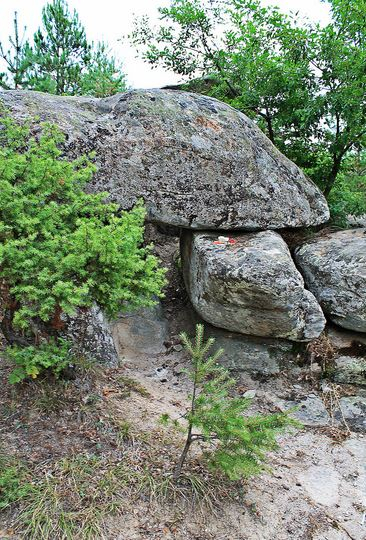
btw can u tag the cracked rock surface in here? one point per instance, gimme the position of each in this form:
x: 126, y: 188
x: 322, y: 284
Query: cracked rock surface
x: 90, y: 333
x: 197, y: 162
x: 334, y: 269
x: 251, y: 286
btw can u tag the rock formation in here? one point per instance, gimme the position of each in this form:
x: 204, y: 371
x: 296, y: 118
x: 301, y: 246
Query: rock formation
x: 202, y: 165
x: 251, y: 286
x: 334, y: 268
x: 197, y: 162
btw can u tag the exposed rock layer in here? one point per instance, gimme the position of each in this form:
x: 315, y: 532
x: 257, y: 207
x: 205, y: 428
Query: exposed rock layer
x: 251, y: 287
x: 197, y: 162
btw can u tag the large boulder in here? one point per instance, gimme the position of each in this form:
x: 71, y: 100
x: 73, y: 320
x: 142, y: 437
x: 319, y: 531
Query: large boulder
x: 334, y: 268
x: 197, y: 162
x: 251, y: 286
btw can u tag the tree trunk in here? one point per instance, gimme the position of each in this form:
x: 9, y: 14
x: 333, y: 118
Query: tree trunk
x: 179, y: 466
x: 269, y: 126
x: 337, y: 160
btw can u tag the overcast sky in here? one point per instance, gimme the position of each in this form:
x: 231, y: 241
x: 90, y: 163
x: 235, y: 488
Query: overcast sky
x: 110, y: 20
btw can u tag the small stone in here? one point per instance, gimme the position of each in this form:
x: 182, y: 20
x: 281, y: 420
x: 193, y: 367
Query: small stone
x: 326, y: 388
x: 250, y: 394
x: 178, y: 347
x: 161, y: 373
x: 353, y: 411
x: 310, y: 411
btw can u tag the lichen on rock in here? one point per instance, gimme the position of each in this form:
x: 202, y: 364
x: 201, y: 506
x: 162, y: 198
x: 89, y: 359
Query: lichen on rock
x: 251, y: 286
x: 334, y: 269
x: 197, y: 162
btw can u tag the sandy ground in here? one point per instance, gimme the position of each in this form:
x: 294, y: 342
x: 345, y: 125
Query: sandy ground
x: 316, y: 489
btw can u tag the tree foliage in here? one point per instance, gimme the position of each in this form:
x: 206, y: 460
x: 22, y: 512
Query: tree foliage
x: 348, y: 196
x: 305, y: 84
x: 238, y: 443
x: 53, y: 356
x: 61, y: 248
x: 61, y: 60
x: 103, y: 76
x: 60, y: 51
x: 15, y: 58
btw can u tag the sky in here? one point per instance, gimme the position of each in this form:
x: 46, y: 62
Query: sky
x: 112, y: 21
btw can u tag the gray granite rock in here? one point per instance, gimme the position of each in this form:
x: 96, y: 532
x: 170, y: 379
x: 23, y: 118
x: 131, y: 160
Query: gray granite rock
x: 259, y: 356
x: 356, y: 221
x: 140, y: 332
x: 197, y: 162
x: 350, y: 370
x: 251, y: 287
x: 322, y: 484
x: 342, y: 339
x: 334, y: 269
x: 353, y: 411
x: 91, y: 335
x: 310, y: 411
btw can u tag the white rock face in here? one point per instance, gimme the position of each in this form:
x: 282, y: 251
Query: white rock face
x: 251, y: 286
x: 334, y: 269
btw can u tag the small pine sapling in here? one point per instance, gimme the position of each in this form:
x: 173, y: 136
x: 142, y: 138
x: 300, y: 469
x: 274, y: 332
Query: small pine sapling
x: 238, y: 443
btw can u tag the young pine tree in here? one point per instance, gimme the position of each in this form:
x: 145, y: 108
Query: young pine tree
x: 104, y: 76
x: 239, y: 443
x: 60, y: 52
x: 15, y: 58
x: 61, y: 60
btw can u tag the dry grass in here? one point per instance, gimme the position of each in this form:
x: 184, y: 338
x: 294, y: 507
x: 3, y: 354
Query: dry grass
x: 322, y: 351
x: 73, y: 499
x: 129, y: 385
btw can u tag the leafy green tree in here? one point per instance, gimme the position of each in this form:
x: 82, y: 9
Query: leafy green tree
x: 238, y: 443
x: 15, y: 58
x: 104, y: 76
x: 348, y: 196
x: 304, y: 84
x: 61, y: 248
